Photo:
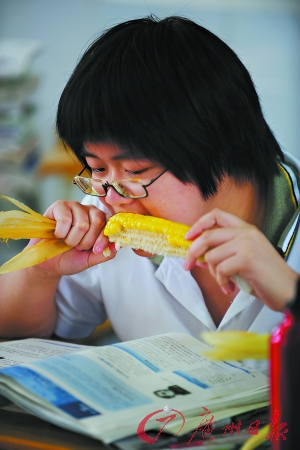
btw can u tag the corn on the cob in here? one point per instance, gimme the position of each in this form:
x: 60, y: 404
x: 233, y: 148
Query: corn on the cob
x: 237, y: 345
x: 154, y: 235
x: 29, y: 224
x: 148, y: 233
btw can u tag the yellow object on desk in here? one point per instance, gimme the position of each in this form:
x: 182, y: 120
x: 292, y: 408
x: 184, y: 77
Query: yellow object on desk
x: 237, y: 345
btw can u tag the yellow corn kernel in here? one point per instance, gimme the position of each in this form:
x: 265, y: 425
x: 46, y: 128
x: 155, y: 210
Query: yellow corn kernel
x: 151, y: 234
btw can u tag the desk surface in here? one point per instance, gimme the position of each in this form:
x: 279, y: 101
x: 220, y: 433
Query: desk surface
x: 21, y: 431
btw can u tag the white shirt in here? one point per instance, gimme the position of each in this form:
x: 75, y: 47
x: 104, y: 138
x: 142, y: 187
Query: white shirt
x: 142, y: 299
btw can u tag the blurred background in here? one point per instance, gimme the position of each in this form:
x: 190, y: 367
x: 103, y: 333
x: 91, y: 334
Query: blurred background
x: 41, y: 41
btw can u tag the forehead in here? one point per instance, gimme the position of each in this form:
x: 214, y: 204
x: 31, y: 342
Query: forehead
x: 110, y: 153
x: 104, y: 151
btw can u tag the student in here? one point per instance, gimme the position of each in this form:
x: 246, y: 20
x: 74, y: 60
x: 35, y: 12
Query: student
x: 168, y: 102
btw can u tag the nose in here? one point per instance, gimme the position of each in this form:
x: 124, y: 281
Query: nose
x: 115, y: 199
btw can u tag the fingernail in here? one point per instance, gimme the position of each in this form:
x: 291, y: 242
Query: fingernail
x: 186, y: 265
x: 229, y: 289
x: 231, y: 285
x: 225, y: 290
x: 187, y: 235
x: 112, y: 247
x: 98, y: 248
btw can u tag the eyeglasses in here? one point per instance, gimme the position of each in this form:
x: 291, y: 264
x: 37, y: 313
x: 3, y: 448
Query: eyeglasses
x: 130, y: 188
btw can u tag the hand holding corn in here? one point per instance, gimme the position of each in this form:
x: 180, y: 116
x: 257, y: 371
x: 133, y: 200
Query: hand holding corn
x: 28, y: 224
x: 69, y: 226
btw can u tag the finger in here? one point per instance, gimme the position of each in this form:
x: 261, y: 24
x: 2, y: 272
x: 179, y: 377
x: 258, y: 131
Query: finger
x: 102, y: 242
x: 213, y: 219
x: 79, y: 227
x: 209, y: 239
x: 94, y: 237
x: 100, y: 257
x: 226, y: 274
x: 63, y: 216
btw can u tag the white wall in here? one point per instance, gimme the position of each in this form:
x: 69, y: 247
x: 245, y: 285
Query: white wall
x: 264, y: 33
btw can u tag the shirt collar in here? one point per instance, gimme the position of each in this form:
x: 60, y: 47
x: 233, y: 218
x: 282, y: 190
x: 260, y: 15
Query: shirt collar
x: 283, y: 209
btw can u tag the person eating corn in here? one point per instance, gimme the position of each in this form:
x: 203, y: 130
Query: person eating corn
x: 166, y: 122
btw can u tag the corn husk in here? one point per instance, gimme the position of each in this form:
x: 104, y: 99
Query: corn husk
x: 24, y: 224
x: 28, y: 224
x: 237, y: 345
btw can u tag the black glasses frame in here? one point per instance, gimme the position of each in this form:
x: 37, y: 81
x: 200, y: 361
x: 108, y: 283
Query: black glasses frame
x: 115, y: 186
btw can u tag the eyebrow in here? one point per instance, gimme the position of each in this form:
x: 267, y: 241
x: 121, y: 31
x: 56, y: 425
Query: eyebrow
x: 118, y: 157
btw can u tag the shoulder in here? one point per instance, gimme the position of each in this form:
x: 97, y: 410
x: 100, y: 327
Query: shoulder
x: 290, y: 159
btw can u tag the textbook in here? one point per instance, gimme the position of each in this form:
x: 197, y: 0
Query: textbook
x: 112, y: 392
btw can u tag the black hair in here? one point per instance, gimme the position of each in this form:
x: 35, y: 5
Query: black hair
x: 170, y: 91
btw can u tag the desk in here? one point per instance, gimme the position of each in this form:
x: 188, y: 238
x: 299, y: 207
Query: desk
x: 21, y: 431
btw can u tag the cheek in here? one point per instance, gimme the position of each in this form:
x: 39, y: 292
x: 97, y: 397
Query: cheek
x: 181, y: 203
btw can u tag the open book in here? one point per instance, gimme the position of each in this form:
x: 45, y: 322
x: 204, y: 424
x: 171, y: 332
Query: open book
x: 115, y: 391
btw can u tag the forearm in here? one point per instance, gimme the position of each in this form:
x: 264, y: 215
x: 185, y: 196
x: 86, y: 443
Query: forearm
x: 27, y: 305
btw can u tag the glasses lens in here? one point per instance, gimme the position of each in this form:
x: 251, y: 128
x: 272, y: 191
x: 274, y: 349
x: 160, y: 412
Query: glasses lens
x: 129, y: 188
x: 126, y: 188
x: 85, y: 184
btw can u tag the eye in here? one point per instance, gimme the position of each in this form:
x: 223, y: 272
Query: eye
x: 137, y: 172
x: 97, y: 170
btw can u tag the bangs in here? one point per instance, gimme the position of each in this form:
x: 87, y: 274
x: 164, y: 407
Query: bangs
x: 131, y: 89
x: 118, y: 100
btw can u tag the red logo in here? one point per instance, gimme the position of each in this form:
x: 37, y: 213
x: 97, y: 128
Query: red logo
x: 165, y: 420
x: 277, y: 429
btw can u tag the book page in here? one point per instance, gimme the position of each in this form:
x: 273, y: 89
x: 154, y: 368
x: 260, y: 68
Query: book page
x: 96, y: 389
x: 26, y: 350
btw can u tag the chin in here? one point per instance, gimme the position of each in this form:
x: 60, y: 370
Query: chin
x: 143, y: 253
